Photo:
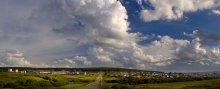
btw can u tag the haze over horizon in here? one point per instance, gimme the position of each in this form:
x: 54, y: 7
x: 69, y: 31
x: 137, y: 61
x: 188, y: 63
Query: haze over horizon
x: 168, y: 35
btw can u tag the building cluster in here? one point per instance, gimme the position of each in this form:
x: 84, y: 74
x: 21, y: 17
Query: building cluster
x: 142, y: 74
x: 16, y: 71
x: 73, y: 72
x: 162, y: 74
x: 59, y: 72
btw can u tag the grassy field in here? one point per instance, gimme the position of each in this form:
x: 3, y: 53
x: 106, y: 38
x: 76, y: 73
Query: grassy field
x: 203, y: 84
x: 43, y: 81
x: 110, y: 78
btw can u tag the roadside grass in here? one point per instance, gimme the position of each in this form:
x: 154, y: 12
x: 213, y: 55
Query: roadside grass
x: 71, y: 86
x: 108, y: 78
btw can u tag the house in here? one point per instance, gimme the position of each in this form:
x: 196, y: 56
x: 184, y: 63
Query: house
x: 23, y: 72
x: 85, y: 73
x: 59, y: 72
x: 43, y: 71
x: 10, y: 70
x: 16, y: 70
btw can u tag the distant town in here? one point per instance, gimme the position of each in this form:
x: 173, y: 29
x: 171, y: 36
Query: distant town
x: 112, y: 72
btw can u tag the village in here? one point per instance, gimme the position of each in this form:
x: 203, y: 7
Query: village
x: 124, y: 74
x: 163, y: 74
x: 51, y: 72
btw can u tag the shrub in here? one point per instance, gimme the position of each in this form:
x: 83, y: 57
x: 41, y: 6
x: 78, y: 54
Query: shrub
x: 10, y: 85
x: 106, y: 86
x: 58, y: 83
x: 121, y: 86
x: 21, y: 87
x: 1, y: 84
x: 46, y: 77
x: 45, y: 83
x: 30, y: 82
x: 21, y: 82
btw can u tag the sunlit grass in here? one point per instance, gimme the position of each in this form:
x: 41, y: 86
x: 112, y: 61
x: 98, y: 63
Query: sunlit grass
x: 108, y: 78
x: 188, y: 85
x: 57, y: 81
x: 203, y: 84
x: 72, y: 86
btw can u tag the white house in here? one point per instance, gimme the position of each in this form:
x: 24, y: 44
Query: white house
x: 10, y: 70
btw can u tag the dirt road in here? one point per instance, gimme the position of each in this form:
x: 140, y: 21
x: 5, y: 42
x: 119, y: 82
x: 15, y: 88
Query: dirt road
x: 94, y: 85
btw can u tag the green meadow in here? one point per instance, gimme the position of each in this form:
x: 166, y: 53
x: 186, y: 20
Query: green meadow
x: 204, y: 84
x: 57, y: 81
x: 43, y: 81
x: 201, y: 84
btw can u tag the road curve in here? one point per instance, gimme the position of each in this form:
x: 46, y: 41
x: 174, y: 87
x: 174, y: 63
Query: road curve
x: 94, y: 85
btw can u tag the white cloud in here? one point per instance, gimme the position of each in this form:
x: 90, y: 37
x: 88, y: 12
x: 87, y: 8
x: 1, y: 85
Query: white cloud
x: 57, y: 29
x: 77, y: 61
x: 195, y: 53
x: 173, y: 9
x: 16, y: 58
x: 101, y: 54
x: 83, y: 33
x: 13, y: 58
x: 216, y: 12
x: 161, y: 52
x: 216, y: 52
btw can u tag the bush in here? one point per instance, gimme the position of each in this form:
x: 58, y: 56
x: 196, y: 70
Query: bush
x: 21, y: 82
x: 46, y: 77
x: 58, y: 83
x: 36, y: 75
x: 10, y: 85
x: 85, y: 81
x: 45, y: 83
x: 30, y: 82
x: 27, y: 84
x: 21, y: 87
x: 106, y: 86
x: 1, y: 84
x: 121, y: 86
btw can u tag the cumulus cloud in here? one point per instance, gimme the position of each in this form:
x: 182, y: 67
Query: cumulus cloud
x: 216, y: 12
x: 204, y: 36
x: 82, y: 33
x: 195, y: 53
x: 13, y: 58
x: 77, y: 61
x: 167, y: 47
x: 101, y: 28
x: 173, y: 9
x: 58, y: 29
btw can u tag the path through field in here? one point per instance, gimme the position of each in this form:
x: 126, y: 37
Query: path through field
x: 94, y: 85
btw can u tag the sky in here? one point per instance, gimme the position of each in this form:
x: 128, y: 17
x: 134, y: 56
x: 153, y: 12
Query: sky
x: 164, y: 35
